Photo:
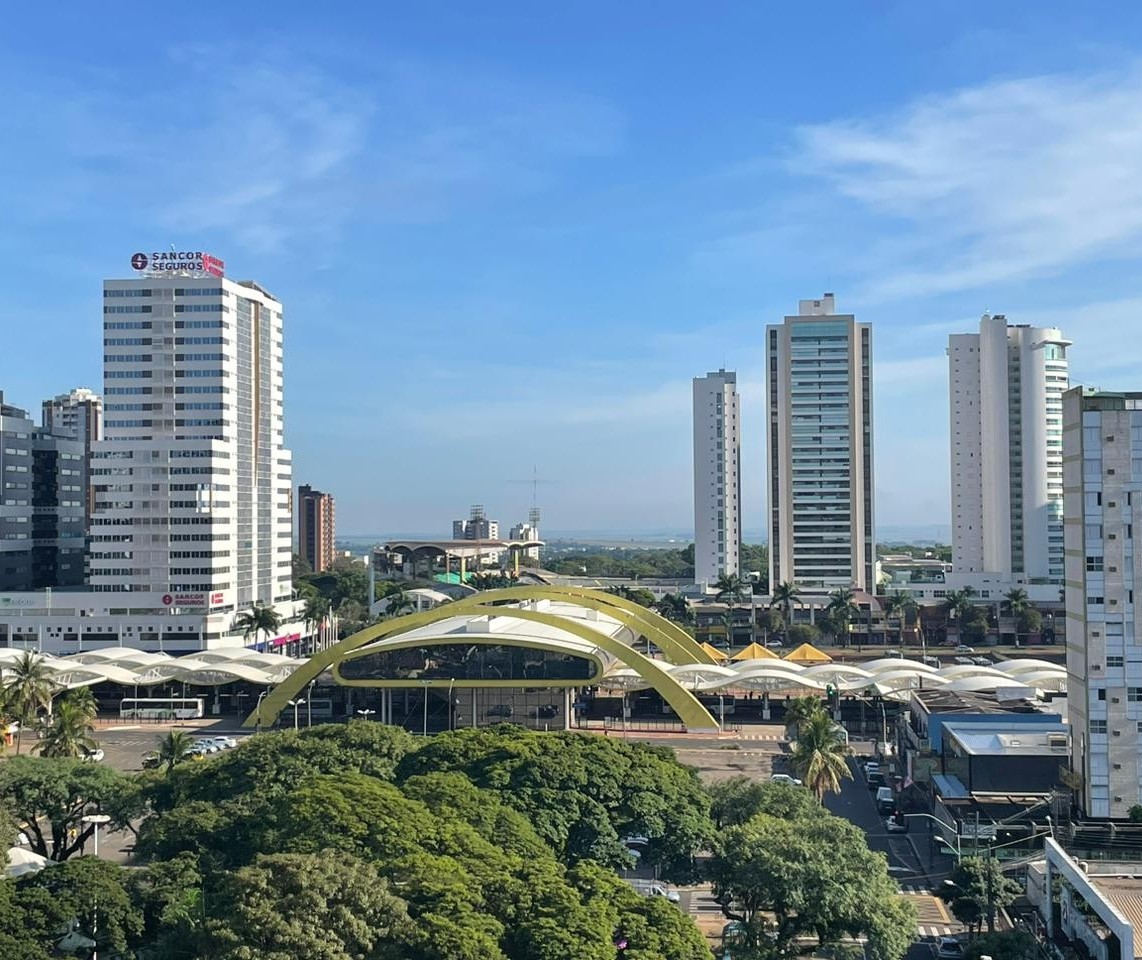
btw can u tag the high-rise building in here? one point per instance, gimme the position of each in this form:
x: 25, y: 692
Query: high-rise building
x: 476, y: 527
x: 315, y: 527
x: 717, y: 477
x: 79, y: 415
x: 1102, y: 467
x: 528, y: 531
x: 42, y: 521
x: 193, y: 483
x: 1006, y: 391
x: 820, y: 448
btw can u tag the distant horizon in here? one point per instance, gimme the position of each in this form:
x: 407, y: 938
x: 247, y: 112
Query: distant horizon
x: 888, y: 533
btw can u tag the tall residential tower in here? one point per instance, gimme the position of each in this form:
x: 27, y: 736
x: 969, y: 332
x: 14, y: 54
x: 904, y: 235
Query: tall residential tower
x: 1102, y: 466
x: 1006, y: 391
x: 194, y: 493
x: 315, y: 527
x: 717, y: 477
x: 819, y: 443
x: 79, y: 415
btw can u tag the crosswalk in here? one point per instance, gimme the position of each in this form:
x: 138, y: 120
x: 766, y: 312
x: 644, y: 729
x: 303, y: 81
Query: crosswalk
x: 770, y: 737
x: 937, y: 930
x: 915, y: 889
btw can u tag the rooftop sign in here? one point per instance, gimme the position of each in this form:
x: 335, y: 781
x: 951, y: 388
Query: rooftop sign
x: 178, y: 261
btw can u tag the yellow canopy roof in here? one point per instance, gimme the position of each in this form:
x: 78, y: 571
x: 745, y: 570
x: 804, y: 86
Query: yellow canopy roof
x: 755, y: 651
x: 715, y: 652
x: 807, y: 653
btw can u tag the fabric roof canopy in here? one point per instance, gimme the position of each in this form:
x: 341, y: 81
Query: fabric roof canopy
x: 807, y: 653
x: 714, y: 652
x: 755, y: 651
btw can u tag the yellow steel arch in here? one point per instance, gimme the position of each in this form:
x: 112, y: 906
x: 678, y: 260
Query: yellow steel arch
x: 688, y: 708
x: 675, y: 642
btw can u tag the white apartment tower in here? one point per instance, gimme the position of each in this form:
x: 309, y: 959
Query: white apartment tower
x: 819, y: 444
x: 193, y: 484
x: 1102, y: 466
x: 1006, y: 397
x: 717, y: 477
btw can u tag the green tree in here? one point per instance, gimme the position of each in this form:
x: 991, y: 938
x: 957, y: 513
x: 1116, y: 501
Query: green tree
x: 801, y: 712
x: 317, y: 608
x: 843, y: 611
x: 973, y: 624
x: 739, y: 799
x: 170, y: 896
x: 257, y: 620
x: 582, y: 793
x: 977, y: 889
x: 819, y: 756
x: 87, y: 890
x: 814, y: 876
x: 323, y: 905
x: 799, y: 633
x: 52, y: 795
x: 28, y: 688
x: 70, y: 733
x: 895, y: 605
x: 399, y: 604
x: 675, y: 607
x: 731, y: 588
x: 957, y: 603
x: 175, y: 747
x: 785, y: 597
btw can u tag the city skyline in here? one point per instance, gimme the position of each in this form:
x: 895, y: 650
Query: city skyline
x: 526, y: 168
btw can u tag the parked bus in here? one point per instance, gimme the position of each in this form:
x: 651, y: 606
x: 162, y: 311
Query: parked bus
x: 162, y: 708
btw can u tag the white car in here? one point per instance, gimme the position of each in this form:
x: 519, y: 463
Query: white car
x: 964, y: 648
x: 893, y: 827
x: 207, y: 746
x: 871, y: 767
x: 785, y: 778
x: 225, y: 743
x: 94, y: 756
x: 949, y: 948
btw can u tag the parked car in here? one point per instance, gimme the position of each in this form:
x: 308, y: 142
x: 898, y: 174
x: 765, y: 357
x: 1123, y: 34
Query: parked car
x: 892, y: 825
x: 652, y: 888
x: 885, y: 800
x: 949, y: 948
x: 893, y: 655
x: 546, y: 712
x: 206, y: 746
x: 774, y: 645
x: 501, y: 710
x: 637, y: 840
x: 224, y: 743
x: 965, y: 661
x: 785, y: 778
x: 94, y: 756
x: 151, y: 760
x: 876, y: 780
x: 981, y: 661
x: 871, y: 767
x: 964, y: 648
x: 932, y: 661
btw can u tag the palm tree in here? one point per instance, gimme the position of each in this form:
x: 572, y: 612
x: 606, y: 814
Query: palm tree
x: 731, y: 587
x: 674, y: 607
x: 28, y: 688
x: 70, y: 732
x: 957, y: 603
x: 910, y: 610
x: 801, y: 712
x: 819, y: 756
x: 175, y: 747
x: 843, y: 610
x: 316, y: 610
x: 1017, y: 603
x: 400, y: 603
x: 258, y: 620
x: 785, y: 596
x: 893, y: 605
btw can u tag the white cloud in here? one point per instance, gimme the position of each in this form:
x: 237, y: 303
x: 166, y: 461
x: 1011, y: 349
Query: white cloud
x: 1003, y: 181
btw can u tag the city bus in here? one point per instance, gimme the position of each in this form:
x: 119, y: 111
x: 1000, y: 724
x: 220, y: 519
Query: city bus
x: 162, y: 708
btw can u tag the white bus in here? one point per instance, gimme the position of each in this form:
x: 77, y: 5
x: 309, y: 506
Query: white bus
x: 162, y: 708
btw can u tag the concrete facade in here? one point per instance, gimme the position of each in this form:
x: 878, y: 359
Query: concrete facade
x: 1102, y: 463
x: 820, y: 447
x: 1005, y: 390
x: 717, y: 477
x: 316, y: 527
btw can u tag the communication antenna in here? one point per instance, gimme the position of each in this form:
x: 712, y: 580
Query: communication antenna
x: 533, y: 514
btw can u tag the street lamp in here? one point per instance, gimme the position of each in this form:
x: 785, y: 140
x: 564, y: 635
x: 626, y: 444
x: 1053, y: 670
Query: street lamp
x: 96, y: 819
x: 309, y: 704
x: 295, y: 704
x: 258, y: 712
x: 365, y: 713
x: 425, y: 684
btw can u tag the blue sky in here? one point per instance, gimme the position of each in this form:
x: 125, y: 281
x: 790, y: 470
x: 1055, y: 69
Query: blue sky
x: 508, y: 234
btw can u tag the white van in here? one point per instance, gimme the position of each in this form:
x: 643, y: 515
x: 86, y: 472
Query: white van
x: 652, y: 888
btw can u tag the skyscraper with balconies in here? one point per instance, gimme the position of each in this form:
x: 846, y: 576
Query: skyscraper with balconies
x: 316, y: 527
x: 820, y: 447
x: 717, y: 477
x: 1006, y: 403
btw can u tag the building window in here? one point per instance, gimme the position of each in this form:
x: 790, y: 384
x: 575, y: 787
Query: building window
x: 1098, y: 726
x: 1094, y: 564
x: 1134, y: 694
x: 1112, y: 662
